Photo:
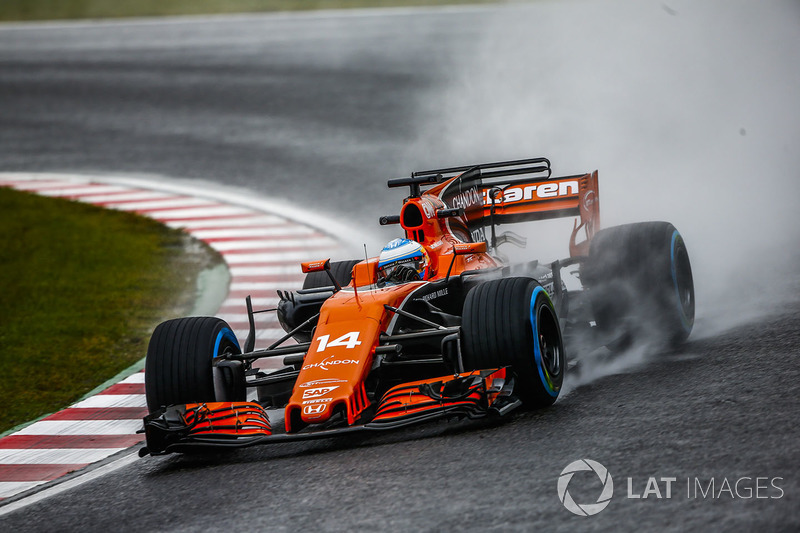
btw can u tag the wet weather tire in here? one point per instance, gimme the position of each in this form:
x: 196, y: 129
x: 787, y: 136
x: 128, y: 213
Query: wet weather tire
x: 341, y: 270
x: 512, y: 322
x: 179, y: 369
x: 639, y: 280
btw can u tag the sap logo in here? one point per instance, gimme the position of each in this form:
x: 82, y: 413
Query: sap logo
x: 320, y: 391
x: 314, y: 409
x: 542, y: 190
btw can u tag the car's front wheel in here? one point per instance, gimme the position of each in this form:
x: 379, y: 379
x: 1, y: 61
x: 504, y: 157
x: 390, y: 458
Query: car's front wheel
x: 180, y: 363
x: 512, y: 322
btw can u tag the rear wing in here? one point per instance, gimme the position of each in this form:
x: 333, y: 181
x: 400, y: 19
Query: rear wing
x: 510, y: 192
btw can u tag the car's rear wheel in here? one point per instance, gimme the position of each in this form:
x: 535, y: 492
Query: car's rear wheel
x: 179, y: 366
x: 639, y: 280
x: 512, y: 322
x: 341, y: 270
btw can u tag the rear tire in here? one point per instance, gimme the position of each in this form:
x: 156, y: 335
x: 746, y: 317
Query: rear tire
x: 512, y: 322
x: 178, y: 368
x: 639, y: 280
x: 341, y: 270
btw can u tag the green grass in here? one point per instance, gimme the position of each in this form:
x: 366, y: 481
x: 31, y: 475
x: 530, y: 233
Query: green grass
x: 81, y: 288
x: 17, y: 10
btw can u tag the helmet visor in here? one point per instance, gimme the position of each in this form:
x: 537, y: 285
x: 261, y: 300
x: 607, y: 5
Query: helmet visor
x: 392, y: 270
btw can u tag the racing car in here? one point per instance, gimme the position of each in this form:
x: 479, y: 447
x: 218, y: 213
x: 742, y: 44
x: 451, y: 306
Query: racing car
x: 439, y: 325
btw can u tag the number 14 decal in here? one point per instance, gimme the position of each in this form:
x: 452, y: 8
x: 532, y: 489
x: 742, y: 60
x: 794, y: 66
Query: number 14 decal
x: 348, y: 340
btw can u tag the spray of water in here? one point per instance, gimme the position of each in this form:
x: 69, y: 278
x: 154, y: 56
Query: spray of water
x: 688, y: 110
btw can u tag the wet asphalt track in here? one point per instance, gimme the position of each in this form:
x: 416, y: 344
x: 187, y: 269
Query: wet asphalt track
x: 321, y: 110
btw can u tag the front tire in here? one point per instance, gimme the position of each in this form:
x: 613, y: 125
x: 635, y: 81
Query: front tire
x: 512, y: 322
x: 179, y: 369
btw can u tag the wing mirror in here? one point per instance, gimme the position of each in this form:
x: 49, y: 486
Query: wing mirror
x: 320, y: 266
x: 465, y: 249
x: 469, y: 248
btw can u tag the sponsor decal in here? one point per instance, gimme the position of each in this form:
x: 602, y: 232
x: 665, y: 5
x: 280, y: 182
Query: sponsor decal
x: 314, y: 266
x: 434, y: 295
x: 326, y: 363
x: 467, y: 198
x: 315, y: 409
x: 588, y: 200
x: 318, y: 400
x: 320, y: 382
x: 478, y: 235
x: 430, y: 211
x: 540, y: 191
x: 317, y: 392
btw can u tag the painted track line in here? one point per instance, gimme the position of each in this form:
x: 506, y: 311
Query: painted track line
x: 262, y: 244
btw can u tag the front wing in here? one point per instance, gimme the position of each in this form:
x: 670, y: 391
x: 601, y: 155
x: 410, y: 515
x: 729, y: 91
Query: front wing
x: 183, y: 428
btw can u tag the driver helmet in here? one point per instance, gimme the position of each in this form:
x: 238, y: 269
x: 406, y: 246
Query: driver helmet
x: 403, y: 260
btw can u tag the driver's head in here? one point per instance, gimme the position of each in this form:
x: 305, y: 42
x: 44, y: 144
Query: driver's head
x: 403, y: 260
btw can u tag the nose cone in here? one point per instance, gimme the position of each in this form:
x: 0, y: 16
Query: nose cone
x: 340, y: 356
x: 319, y: 397
x: 331, y: 380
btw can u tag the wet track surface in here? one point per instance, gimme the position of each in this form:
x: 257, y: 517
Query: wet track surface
x: 320, y: 110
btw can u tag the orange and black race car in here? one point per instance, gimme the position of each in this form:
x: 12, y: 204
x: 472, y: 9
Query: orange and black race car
x: 437, y: 325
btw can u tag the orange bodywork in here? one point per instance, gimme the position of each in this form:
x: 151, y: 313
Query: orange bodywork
x: 362, y: 350
x: 409, y: 400
x: 348, y: 331
x: 342, y: 350
x: 559, y: 197
x: 341, y: 355
x: 240, y: 419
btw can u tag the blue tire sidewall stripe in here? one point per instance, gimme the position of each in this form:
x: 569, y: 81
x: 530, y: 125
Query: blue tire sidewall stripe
x: 537, y: 353
x: 224, y: 333
x: 685, y: 322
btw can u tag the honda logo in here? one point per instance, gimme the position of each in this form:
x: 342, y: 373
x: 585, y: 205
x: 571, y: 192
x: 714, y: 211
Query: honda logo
x: 314, y: 409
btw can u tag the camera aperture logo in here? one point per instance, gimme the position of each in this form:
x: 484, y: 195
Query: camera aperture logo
x: 585, y: 509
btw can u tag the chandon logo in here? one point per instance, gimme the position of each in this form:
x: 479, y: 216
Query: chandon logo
x: 467, y: 198
x: 585, y: 509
